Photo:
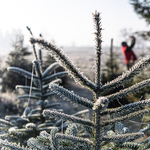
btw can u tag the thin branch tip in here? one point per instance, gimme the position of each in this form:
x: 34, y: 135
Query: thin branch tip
x: 32, y: 40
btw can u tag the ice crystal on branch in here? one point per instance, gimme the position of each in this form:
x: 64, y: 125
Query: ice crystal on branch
x: 101, y: 104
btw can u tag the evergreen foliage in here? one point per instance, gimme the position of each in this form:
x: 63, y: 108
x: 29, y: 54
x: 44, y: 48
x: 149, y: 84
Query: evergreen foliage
x: 111, y: 68
x: 110, y: 71
x: 18, y: 58
x: 106, y: 128
x: 142, y: 8
x: 31, y: 122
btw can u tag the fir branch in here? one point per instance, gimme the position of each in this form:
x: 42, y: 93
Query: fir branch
x: 37, y: 83
x: 54, y: 142
x: 7, y: 123
x: 50, y: 69
x: 146, y: 129
x: 12, y: 117
x: 81, y: 112
x: 38, y: 94
x: 128, y: 116
x: 45, y: 88
x: 131, y: 145
x: 22, y: 72
x: 145, y: 144
x: 34, y: 111
x: 128, y: 75
x: 29, y: 96
x: 67, y: 95
x: 35, y: 144
x: 72, y: 130
x: 110, y: 146
x: 128, y: 108
x: 27, y: 88
x: 98, y: 104
x: 87, y: 143
x: 57, y: 81
x: 22, y: 121
x: 11, y: 145
x: 142, y: 8
x: 68, y: 148
x: 26, y: 111
x: 21, y: 132
x: 123, y: 137
x: 30, y: 126
x: 34, y: 50
x: 4, y: 135
x: 119, y: 128
x: 48, y: 94
x: 65, y: 62
x: 54, y: 76
x: 98, y: 41
x: 48, y: 113
x: 145, y: 141
x: 34, y: 116
x: 38, y: 68
x: 51, y: 105
x: 47, y: 124
x: 59, y: 122
x: 133, y: 89
x: 47, y: 129
x: 44, y: 136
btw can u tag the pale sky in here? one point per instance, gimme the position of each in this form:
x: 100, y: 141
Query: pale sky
x: 67, y: 22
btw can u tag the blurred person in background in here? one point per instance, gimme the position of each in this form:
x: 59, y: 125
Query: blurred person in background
x: 129, y: 56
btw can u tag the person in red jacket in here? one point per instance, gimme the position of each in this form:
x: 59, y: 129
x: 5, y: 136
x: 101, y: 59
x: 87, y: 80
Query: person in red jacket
x: 129, y: 56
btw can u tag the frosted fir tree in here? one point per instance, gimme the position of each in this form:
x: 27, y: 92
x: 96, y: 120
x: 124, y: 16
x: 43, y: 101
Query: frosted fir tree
x: 32, y: 122
x: 108, y: 131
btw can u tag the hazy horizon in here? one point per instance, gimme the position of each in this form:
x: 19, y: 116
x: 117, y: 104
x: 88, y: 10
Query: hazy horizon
x: 68, y: 23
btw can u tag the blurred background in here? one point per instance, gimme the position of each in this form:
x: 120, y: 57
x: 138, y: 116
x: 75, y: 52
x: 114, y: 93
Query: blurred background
x: 68, y: 23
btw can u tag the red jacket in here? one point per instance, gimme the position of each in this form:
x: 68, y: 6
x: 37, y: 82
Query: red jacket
x: 128, y: 55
